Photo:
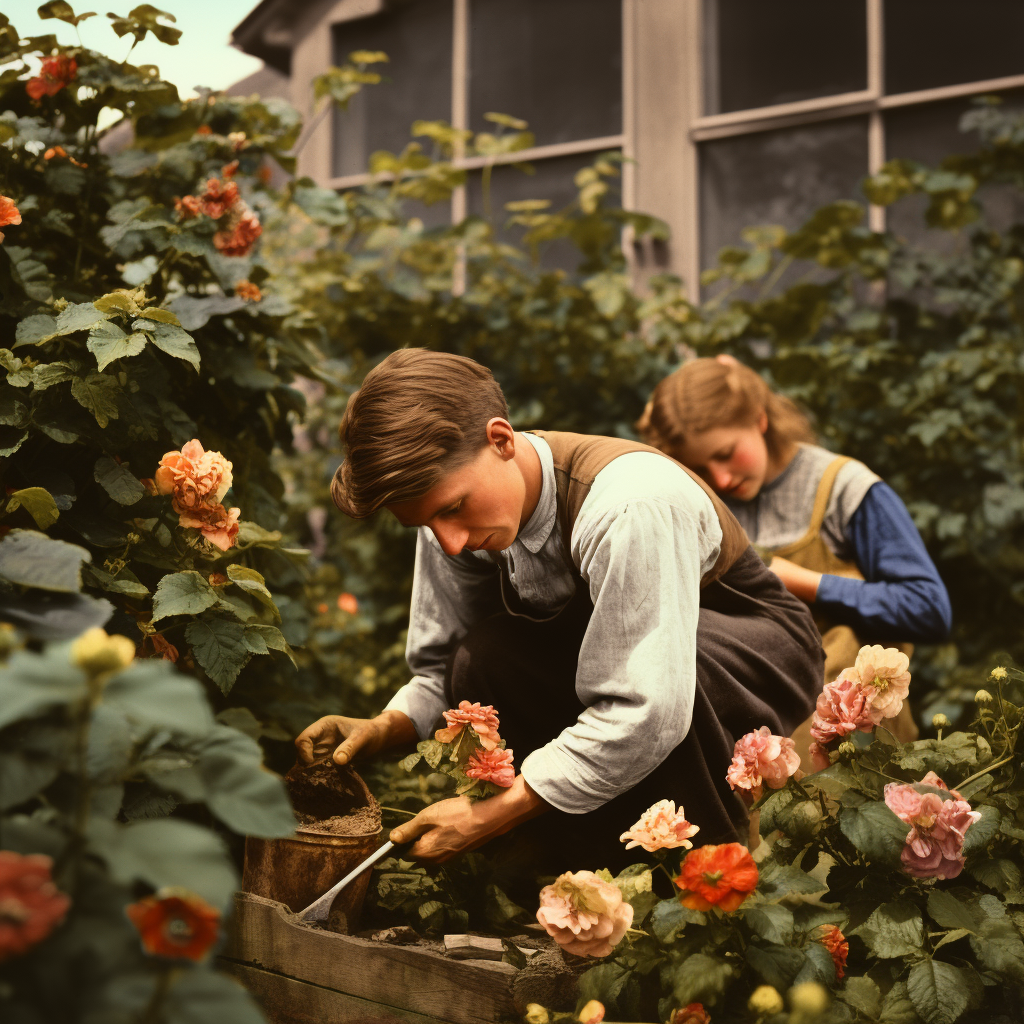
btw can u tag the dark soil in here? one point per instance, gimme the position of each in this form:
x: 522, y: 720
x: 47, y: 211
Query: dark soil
x: 332, y: 799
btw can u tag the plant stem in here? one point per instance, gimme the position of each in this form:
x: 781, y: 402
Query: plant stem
x: 985, y: 771
x: 398, y: 810
x: 160, y: 990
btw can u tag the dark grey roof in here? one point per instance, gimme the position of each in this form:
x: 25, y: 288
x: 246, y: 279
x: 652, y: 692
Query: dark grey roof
x: 260, y: 32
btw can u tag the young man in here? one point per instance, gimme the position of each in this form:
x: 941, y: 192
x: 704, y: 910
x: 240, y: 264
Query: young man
x: 593, y: 590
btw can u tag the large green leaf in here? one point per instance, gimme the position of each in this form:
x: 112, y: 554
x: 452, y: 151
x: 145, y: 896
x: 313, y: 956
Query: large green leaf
x: 34, y: 560
x: 39, y: 504
x: 31, y: 684
x: 108, y: 342
x: 893, y: 930
x: 701, y: 978
x: 98, y: 393
x: 152, y: 695
x: 875, y: 831
x: 778, y: 965
x: 219, y: 646
x: 772, y: 922
x: 253, y: 583
x: 938, y: 991
x: 23, y: 775
x: 118, y: 481
x: 945, y: 909
x: 170, y: 339
x: 182, y: 593
x: 981, y: 831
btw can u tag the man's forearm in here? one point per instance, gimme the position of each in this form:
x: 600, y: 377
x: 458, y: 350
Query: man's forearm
x: 399, y: 728
x: 517, y: 804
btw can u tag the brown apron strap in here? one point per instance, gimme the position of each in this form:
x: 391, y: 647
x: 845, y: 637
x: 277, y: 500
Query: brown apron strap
x: 824, y: 493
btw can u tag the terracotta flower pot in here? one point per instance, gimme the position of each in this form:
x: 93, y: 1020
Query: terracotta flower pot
x: 339, y: 826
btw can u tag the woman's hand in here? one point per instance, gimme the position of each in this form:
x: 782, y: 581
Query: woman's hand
x: 800, y: 582
x: 351, y: 737
x: 453, y: 826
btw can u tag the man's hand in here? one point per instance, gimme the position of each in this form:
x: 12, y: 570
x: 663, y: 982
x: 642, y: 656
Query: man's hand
x: 453, y: 826
x: 352, y: 737
x: 800, y: 582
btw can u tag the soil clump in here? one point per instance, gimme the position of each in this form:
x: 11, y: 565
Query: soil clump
x: 331, y: 799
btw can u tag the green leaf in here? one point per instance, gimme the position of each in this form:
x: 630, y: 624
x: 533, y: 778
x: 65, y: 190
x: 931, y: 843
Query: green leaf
x: 182, y: 593
x: 1002, y: 875
x: 108, y: 342
x: 170, y: 339
x: 118, y: 481
x: 154, y: 696
x: 23, y: 775
x: 893, y: 930
x: 863, y: 995
x: 999, y: 947
x: 945, y: 909
x: 125, y: 582
x: 34, y: 560
x: 253, y: 535
x: 218, y: 646
x: 818, y: 966
x: 875, y: 831
x: 670, y: 917
x: 39, y: 504
x: 33, y: 683
x: 78, y: 316
x: 981, y: 831
x: 166, y: 852
x: 780, y: 880
x: 62, y: 10
x: 35, y: 330
x: 702, y: 979
x: 98, y: 393
x: 271, y: 636
x: 937, y: 991
x: 772, y: 922
x: 162, y: 316
x: 253, y: 583
x: 777, y: 965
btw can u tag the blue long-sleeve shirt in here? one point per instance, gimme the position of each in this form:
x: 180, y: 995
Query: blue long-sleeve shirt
x: 901, y: 596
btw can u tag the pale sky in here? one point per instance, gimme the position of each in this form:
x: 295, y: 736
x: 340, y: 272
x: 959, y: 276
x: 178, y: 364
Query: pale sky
x: 203, y: 55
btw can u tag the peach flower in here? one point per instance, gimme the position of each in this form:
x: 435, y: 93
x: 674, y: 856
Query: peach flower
x: 241, y: 234
x: 188, y: 207
x: 843, y: 706
x: 216, y: 523
x: 194, y: 477
x: 483, y: 720
x: 492, y: 766
x: 248, y: 291
x: 584, y: 914
x: 348, y: 603
x: 762, y: 759
x: 661, y: 827
x: 9, y: 213
x: 884, y: 670
x: 31, y: 906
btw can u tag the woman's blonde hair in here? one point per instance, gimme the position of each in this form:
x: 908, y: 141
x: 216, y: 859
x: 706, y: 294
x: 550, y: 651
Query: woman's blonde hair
x: 722, y: 392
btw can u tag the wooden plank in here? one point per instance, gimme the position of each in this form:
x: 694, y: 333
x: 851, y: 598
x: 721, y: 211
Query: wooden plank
x: 288, y: 1001
x: 266, y: 934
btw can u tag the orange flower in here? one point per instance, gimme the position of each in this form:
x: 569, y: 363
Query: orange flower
x: 9, y: 214
x: 204, y: 129
x: 229, y: 170
x: 31, y: 906
x: 194, y: 477
x: 241, y: 235
x: 717, y: 876
x: 216, y: 523
x: 219, y: 197
x: 54, y: 151
x: 175, y: 923
x: 835, y: 942
x: 249, y: 292
x: 322, y: 608
x: 54, y: 74
x: 188, y: 207
x: 348, y: 603
x: 694, y: 1013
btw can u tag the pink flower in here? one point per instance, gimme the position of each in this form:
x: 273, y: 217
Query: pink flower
x: 193, y: 476
x: 933, y: 847
x: 483, y: 720
x: 884, y: 670
x: 492, y: 766
x: 843, y: 706
x: 661, y: 827
x: 819, y: 757
x: 31, y: 906
x: 584, y: 914
x: 760, y: 758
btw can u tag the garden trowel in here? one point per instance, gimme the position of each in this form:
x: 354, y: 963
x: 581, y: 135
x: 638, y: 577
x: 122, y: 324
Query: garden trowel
x: 320, y: 908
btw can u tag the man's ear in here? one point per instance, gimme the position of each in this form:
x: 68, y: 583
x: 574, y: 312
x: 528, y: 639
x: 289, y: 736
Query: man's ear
x: 501, y: 435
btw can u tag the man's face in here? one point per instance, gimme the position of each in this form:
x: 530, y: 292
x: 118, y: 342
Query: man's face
x: 476, y: 507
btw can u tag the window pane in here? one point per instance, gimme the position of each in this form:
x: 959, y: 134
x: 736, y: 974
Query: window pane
x: 943, y: 42
x: 555, y: 63
x: 777, y: 177
x: 552, y: 180
x: 761, y: 52
x: 417, y: 37
x: 929, y: 133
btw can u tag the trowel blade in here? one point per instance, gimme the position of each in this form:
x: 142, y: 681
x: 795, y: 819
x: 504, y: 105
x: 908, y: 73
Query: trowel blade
x: 320, y: 908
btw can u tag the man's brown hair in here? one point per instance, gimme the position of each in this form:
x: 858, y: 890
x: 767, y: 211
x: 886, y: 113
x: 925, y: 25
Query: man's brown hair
x: 418, y: 415
x: 706, y: 393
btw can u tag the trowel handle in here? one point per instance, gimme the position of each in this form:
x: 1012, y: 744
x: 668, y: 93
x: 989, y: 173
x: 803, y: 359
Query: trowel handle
x: 321, y: 908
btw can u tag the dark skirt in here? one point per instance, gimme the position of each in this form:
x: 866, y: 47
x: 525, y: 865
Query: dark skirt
x: 759, y: 662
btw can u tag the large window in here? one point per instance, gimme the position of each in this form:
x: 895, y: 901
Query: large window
x: 557, y: 64
x: 801, y: 99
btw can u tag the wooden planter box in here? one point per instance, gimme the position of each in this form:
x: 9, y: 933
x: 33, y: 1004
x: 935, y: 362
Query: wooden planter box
x: 305, y: 975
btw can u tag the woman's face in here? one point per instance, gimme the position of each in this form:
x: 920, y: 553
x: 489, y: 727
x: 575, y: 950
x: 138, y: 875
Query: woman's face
x: 733, y: 460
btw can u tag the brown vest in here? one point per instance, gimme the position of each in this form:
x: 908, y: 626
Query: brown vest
x: 579, y: 458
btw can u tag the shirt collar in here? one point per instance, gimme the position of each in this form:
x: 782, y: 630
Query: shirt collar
x: 538, y: 527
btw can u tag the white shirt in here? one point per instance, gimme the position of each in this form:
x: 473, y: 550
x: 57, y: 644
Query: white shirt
x: 644, y: 537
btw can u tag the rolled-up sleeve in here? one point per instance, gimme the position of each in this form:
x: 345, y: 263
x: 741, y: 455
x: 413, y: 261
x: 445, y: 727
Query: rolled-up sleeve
x: 643, y: 562
x: 448, y: 596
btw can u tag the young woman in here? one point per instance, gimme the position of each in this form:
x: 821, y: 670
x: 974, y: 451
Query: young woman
x: 839, y: 538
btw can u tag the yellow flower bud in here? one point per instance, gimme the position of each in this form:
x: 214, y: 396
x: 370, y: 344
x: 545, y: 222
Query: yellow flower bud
x: 809, y: 998
x: 536, y: 1014
x: 592, y: 1013
x: 765, y: 999
x: 983, y: 697
x: 940, y: 721
x: 97, y: 653
x: 8, y: 639
x: 846, y: 748
x: 998, y: 673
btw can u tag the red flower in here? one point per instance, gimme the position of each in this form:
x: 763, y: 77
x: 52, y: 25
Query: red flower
x: 229, y: 170
x: 835, y: 942
x: 175, y: 923
x: 204, y: 129
x: 694, y: 1013
x: 241, y: 236
x: 9, y: 213
x: 717, y: 876
x: 250, y: 292
x: 31, y: 906
x: 54, y: 74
